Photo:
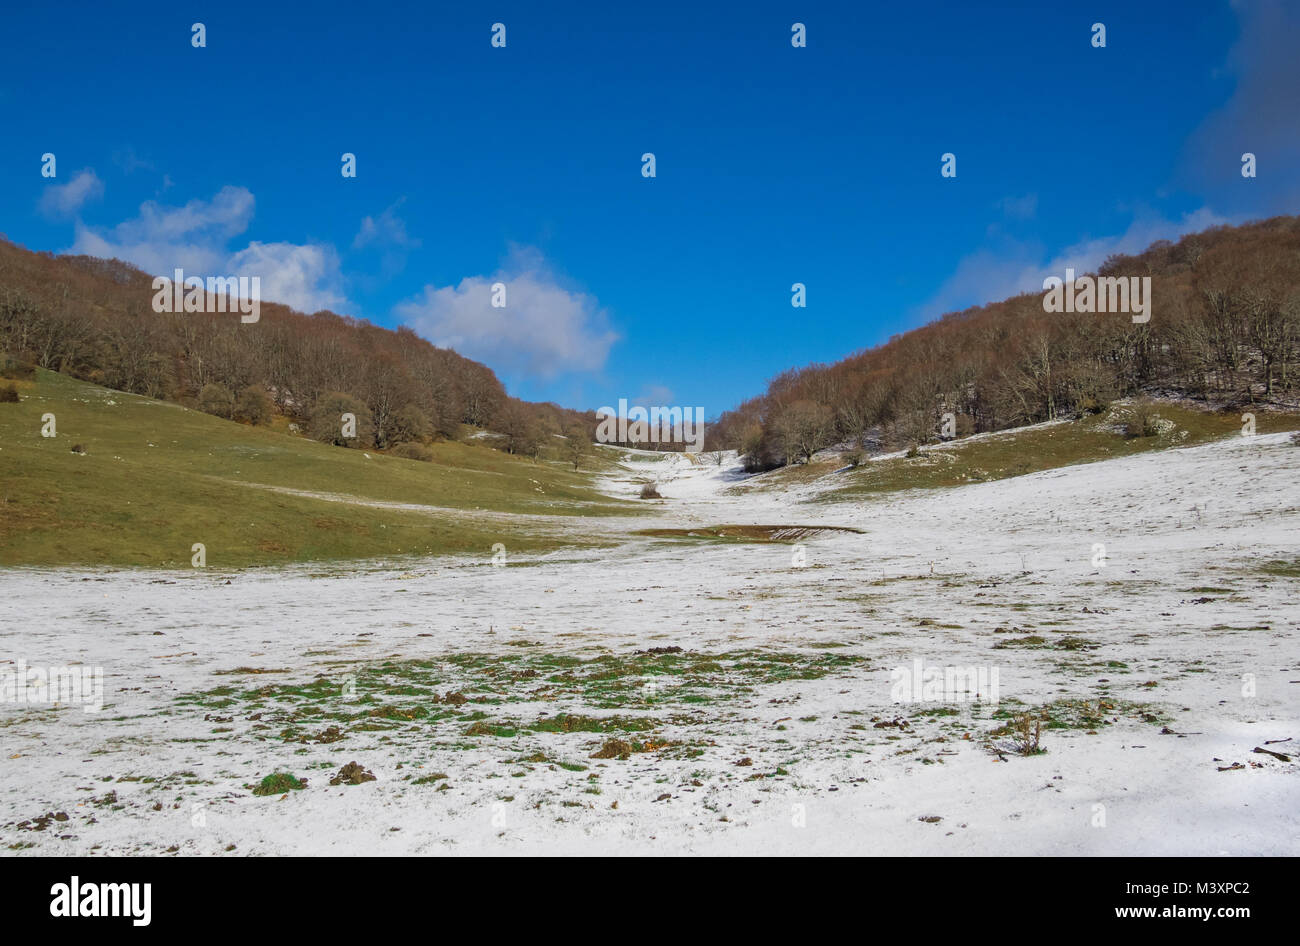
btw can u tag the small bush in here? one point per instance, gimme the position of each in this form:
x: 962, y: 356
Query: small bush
x: 254, y: 406
x: 1143, y: 420
x: 413, y: 451
x: 650, y: 491
x: 1026, y: 732
x: 8, y: 393
x: 411, y: 425
x: 326, y: 423
x: 11, y: 367
x: 216, y: 399
x: 913, y: 452
x: 853, y: 458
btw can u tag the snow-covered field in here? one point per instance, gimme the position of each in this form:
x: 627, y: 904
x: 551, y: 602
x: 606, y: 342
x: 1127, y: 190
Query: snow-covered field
x: 477, y: 695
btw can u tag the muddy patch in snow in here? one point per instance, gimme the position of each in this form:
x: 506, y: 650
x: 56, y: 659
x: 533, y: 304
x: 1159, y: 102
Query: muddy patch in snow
x: 751, y: 533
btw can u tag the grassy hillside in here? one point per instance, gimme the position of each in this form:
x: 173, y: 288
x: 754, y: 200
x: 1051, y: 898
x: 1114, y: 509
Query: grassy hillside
x: 157, y: 478
x: 1025, y: 450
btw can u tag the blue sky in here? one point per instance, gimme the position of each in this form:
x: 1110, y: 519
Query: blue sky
x: 775, y: 165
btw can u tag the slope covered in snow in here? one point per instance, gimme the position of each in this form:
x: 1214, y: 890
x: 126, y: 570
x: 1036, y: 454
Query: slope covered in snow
x: 671, y: 695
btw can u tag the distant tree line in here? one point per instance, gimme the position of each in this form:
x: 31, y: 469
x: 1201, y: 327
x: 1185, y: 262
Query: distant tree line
x: 1224, y: 328
x: 93, y: 319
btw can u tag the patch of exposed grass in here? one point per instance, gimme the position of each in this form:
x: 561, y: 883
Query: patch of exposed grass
x: 1082, y: 714
x: 1036, y: 642
x: 568, y: 722
x: 278, y: 783
x: 429, y: 779
x: 1281, y: 568
x: 463, y: 701
x: 624, y: 749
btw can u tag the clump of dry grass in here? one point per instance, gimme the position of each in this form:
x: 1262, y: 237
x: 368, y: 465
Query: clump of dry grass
x: 1026, y: 731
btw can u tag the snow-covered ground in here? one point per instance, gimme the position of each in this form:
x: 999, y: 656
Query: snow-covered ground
x: 772, y: 731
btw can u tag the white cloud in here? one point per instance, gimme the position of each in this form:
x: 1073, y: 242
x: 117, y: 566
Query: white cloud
x: 543, y: 330
x: 308, y: 278
x: 64, y: 200
x: 195, y: 238
x: 161, y: 238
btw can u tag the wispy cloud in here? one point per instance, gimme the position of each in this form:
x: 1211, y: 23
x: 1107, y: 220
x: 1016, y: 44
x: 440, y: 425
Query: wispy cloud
x: 129, y: 161
x: 385, y: 235
x: 1258, y: 117
x: 1146, y: 228
x: 1019, y: 208
x: 1012, y: 267
x: 65, y: 200
x: 196, y: 237
x: 387, y: 229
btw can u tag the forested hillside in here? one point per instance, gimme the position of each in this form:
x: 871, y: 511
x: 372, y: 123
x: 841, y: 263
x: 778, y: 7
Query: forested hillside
x: 93, y: 319
x: 1224, y: 328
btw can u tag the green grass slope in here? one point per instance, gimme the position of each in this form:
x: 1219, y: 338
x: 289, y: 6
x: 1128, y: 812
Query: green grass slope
x: 157, y: 478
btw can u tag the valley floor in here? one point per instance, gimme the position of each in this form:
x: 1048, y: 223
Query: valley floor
x: 542, y: 706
